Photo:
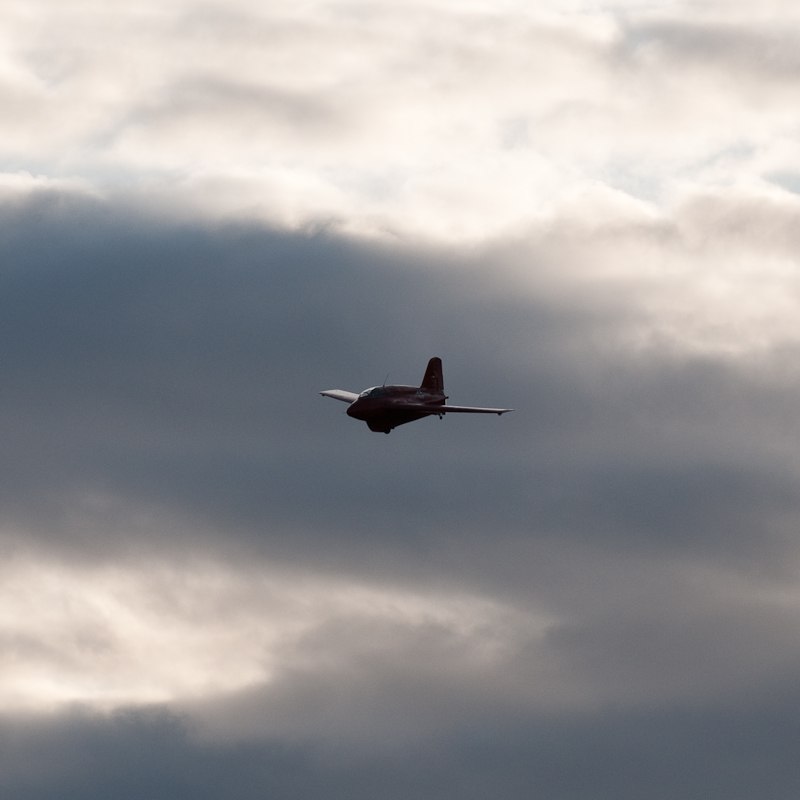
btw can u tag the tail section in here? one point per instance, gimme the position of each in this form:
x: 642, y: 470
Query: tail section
x: 433, y: 380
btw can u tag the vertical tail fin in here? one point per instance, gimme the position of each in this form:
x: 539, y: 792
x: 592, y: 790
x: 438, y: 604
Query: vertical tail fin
x: 433, y: 380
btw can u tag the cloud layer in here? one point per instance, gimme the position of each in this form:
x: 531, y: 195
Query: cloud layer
x: 435, y: 119
x: 215, y: 583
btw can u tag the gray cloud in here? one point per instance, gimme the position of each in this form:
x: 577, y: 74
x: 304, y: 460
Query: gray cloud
x: 764, y: 53
x: 731, y: 753
x: 179, y: 365
x: 160, y: 404
x: 214, y: 583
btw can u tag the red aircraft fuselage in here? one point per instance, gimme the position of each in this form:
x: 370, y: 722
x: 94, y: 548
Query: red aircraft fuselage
x: 385, y: 407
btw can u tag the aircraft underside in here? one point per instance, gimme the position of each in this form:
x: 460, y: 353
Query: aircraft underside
x: 386, y: 421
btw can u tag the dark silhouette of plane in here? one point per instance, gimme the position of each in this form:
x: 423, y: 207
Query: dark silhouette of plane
x: 386, y: 407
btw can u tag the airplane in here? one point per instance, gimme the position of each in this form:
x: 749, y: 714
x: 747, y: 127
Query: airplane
x: 385, y: 407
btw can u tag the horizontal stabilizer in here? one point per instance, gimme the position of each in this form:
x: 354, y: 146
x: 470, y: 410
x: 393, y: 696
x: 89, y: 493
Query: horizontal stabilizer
x: 340, y: 394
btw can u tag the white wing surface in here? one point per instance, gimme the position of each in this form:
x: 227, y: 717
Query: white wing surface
x: 340, y: 394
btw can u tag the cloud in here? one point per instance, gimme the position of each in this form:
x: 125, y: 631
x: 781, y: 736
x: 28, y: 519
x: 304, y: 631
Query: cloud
x: 214, y: 581
x: 207, y: 531
x: 116, y: 635
x: 629, y: 756
x: 445, y: 122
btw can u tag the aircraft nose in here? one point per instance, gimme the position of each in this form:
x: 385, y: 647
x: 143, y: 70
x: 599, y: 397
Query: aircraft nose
x: 354, y: 410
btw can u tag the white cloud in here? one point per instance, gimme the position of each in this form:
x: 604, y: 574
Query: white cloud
x: 434, y: 119
x: 115, y: 635
x: 264, y: 650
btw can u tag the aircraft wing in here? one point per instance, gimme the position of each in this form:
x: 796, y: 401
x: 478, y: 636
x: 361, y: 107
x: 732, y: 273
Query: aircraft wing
x: 446, y: 409
x: 340, y: 394
x: 473, y: 410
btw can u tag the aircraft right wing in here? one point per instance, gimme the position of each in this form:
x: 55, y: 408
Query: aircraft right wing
x: 445, y: 409
x: 340, y: 394
x: 431, y: 408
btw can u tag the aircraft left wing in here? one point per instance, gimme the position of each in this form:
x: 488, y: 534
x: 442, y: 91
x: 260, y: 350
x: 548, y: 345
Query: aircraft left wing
x: 340, y: 394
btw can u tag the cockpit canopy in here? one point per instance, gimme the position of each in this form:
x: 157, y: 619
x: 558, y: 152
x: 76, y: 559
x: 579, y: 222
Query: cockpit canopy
x: 375, y: 391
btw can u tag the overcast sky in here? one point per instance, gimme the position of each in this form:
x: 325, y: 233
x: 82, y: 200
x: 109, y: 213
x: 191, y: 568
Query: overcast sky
x: 214, y: 584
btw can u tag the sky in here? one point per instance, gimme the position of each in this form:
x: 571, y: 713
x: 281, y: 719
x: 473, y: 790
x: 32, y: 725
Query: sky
x: 215, y: 584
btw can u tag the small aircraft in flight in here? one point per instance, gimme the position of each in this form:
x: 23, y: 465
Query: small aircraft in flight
x: 386, y: 407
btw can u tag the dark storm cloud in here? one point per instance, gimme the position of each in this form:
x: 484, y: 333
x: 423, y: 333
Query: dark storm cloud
x: 179, y: 366
x: 643, y: 501
x: 716, y: 752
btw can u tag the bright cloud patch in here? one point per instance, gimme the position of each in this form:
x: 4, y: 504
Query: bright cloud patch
x: 119, y: 635
x: 437, y: 119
